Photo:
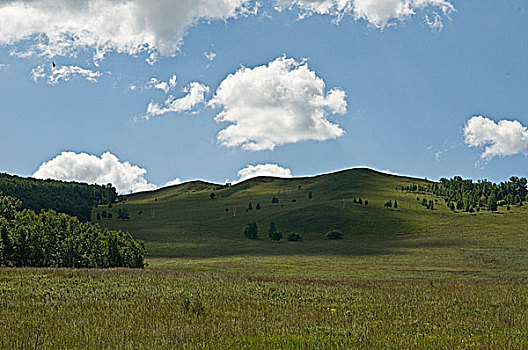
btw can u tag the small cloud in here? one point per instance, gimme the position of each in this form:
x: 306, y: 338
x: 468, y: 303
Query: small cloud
x: 155, y: 83
x: 174, y: 182
x: 436, y: 23
x: 195, y: 95
x: 210, y: 56
x: 272, y: 170
x: 63, y: 73
x: 389, y: 172
x: 502, y: 138
x: 173, y: 81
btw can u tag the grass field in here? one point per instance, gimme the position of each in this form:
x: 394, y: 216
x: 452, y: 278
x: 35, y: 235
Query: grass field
x: 405, y: 278
x: 121, y: 309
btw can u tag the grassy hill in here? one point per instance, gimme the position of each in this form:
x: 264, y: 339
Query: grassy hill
x: 184, y: 228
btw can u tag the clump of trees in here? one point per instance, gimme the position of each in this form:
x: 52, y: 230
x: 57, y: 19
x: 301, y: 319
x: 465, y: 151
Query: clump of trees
x: 251, y: 230
x: 66, y: 197
x: 360, y: 201
x: 51, y: 239
x: 273, y: 233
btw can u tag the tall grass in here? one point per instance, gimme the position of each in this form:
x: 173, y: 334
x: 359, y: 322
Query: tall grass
x: 71, y: 309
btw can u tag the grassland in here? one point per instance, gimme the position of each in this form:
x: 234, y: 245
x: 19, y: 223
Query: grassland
x: 405, y: 278
x: 71, y: 309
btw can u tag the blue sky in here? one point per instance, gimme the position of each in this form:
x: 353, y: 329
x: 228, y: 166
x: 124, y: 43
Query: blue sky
x: 412, y: 91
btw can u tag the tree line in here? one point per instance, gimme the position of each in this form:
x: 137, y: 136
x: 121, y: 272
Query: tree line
x: 71, y: 198
x: 51, y: 239
x: 470, y: 196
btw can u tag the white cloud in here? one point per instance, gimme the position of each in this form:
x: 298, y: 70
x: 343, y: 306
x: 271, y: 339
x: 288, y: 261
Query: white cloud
x: 64, y: 27
x: 210, y: 55
x: 63, y: 73
x: 155, y: 83
x: 164, y: 86
x: 436, y: 23
x: 252, y: 171
x: 83, y: 167
x: 173, y: 81
x: 174, y: 182
x: 378, y: 13
x: 389, y: 172
x: 274, y: 104
x: 504, y: 138
x: 195, y: 95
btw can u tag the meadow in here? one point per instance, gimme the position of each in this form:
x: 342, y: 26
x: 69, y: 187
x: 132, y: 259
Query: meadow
x: 404, y: 278
x: 111, y: 309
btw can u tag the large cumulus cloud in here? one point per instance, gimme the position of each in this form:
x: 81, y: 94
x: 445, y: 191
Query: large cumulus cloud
x: 274, y: 104
x: 62, y: 27
x: 83, y: 167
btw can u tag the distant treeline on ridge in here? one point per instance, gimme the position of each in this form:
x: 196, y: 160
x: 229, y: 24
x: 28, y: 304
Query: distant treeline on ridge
x: 71, y: 198
x: 469, y: 196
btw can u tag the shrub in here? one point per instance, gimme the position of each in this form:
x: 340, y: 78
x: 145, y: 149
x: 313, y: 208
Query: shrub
x: 294, y: 237
x: 334, y: 234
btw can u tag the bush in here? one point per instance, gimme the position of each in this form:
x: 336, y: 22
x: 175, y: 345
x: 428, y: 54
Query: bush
x: 251, y: 230
x: 334, y: 234
x: 294, y: 237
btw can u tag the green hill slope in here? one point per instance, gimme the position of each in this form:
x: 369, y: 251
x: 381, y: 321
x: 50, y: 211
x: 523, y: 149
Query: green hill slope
x: 184, y: 228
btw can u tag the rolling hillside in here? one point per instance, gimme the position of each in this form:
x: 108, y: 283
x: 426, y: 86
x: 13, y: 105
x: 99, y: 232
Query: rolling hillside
x: 184, y: 228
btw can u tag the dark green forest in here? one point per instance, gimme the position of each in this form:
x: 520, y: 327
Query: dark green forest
x: 51, y: 239
x: 71, y: 198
